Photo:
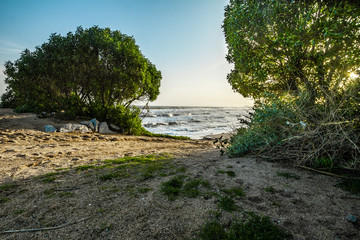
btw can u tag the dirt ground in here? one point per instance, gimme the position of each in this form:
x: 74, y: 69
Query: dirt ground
x: 82, y: 204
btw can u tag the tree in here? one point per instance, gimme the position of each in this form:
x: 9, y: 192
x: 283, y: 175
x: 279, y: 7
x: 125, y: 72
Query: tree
x: 295, y: 47
x: 90, y: 72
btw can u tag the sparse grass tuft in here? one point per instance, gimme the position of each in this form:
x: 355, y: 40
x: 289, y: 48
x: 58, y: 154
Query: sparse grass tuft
x: 235, y: 192
x: 270, y: 189
x: 184, y: 186
x: 173, y: 187
x: 227, y: 204
x: 229, y: 173
x: 256, y: 227
x: 288, y: 175
x: 7, y: 187
x: 84, y: 167
x: 4, y: 200
x: 191, y: 188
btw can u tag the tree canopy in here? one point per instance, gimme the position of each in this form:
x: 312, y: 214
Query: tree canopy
x: 292, y: 46
x: 85, y: 72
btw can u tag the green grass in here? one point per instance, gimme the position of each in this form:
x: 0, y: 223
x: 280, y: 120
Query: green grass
x: 84, y: 167
x: 65, y: 194
x: 149, y: 134
x: 7, y: 187
x: 227, y: 204
x: 191, y: 188
x: 256, y: 227
x: 288, y: 175
x: 145, y: 167
x: 172, y: 188
x: 229, y: 173
x: 270, y: 189
x: 49, y: 177
x: 4, y: 200
x: 184, y: 186
x: 350, y: 185
x: 235, y: 192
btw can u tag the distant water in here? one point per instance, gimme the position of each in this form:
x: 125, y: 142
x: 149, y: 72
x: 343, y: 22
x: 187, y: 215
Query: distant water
x: 193, y: 122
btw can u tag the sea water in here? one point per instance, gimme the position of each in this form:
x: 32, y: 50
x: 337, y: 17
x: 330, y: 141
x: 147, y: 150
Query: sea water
x: 193, y: 122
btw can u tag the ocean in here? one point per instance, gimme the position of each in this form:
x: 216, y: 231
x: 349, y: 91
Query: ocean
x: 193, y: 122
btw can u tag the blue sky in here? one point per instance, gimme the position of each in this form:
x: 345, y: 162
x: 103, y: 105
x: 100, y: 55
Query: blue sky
x: 183, y: 38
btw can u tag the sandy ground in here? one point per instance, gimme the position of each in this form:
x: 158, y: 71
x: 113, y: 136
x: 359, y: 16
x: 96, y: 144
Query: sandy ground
x: 84, y: 207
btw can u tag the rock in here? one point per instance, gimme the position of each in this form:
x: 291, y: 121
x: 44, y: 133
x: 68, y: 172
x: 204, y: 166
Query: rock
x: 89, y: 124
x: 103, y: 128
x: 351, y: 218
x: 75, y: 127
x: 50, y: 129
x: 96, y: 124
x: 114, y: 127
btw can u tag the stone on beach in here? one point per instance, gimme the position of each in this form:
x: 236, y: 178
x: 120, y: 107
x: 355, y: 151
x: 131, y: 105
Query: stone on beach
x: 89, y: 124
x: 75, y: 127
x: 103, y: 128
x: 50, y: 129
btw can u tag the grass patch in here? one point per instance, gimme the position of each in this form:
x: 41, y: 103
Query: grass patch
x: 256, y: 227
x: 227, y: 204
x: 66, y: 194
x: 149, y: 134
x: 186, y: 187
x: 7, y: 187
x: 84, y: 167
x: 191, y: 188
x: 49, y: 177
x: 235, y: 192
x: 4, y: 200
x: 270, y: 189
x: 350, y: 185
x: 288, y: 175
x: 173, y: 187
x: 19, y: 211
x: 49, y: 193
x: 229, y: 173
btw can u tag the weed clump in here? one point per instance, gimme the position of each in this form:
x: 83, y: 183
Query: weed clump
x: 227, y: 204
x: 181, y: 185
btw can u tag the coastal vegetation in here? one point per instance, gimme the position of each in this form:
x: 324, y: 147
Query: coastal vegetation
x: 299, y: 61
x: 93, y: 72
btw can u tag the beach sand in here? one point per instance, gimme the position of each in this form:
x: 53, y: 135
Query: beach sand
x: 133, y: 207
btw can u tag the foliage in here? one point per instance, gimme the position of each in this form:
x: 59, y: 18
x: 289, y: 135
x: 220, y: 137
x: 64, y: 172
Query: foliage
x: 94, y: 72
x: 256, y: 227
x: 294, y: 47
x: 266, y: 126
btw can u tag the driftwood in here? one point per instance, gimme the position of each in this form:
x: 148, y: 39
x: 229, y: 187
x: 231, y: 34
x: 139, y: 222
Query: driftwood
x: 47, y: 228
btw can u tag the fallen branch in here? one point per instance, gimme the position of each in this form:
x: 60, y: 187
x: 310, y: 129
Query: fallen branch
x: 47, y: 228
x: 322, y: 172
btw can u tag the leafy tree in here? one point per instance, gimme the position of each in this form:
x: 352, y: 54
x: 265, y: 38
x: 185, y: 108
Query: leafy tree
x: 297, y: 47
x: 93, y: 71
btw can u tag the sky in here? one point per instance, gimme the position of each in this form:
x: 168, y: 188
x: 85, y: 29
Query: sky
x: 183, y: 38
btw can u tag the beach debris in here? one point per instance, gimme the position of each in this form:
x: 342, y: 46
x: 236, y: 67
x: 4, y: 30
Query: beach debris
x: 104, y: 128
x: 50, y: 129
x: 351, y: 218
x: 96, y: 123
x: 75, y: 127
